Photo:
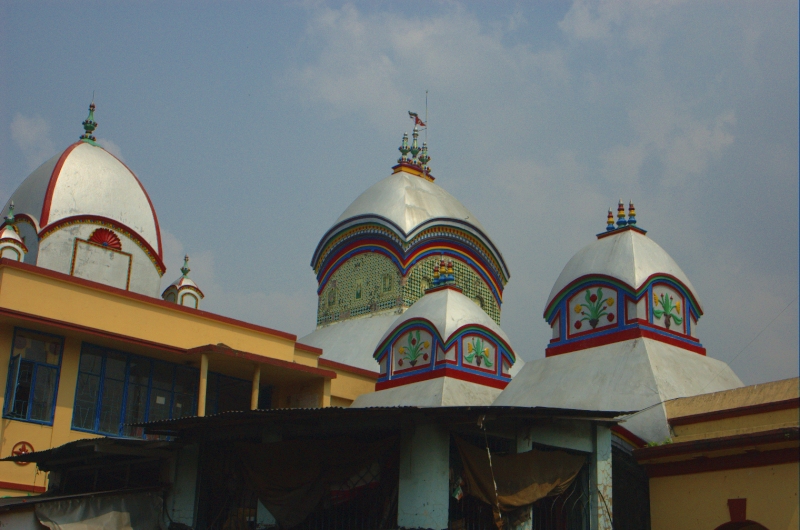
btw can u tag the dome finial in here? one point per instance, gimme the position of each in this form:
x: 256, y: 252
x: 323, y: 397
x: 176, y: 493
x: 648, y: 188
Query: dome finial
x: 621, y: 215
x: 424, y: 158
x: 631, y: 214
x: 415, y: 146
x: 610, y: 221
x: 404, y: 149
x: 89, y: 125
x: 185, y: 269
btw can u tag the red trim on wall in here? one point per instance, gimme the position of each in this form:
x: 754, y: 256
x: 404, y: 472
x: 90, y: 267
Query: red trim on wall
x: 347, y: 368
x: 736, y: 441
x: 45, y: 231
x: 442, y: 372
x: 260, y: 359
x: 723, y: 463
x: 620, y: 336
x: 306, y: 348
x: 628, y: 436
x: 4, y: 262
x: 735, y: 412
x: 22, y: 487
x: 51, y: 185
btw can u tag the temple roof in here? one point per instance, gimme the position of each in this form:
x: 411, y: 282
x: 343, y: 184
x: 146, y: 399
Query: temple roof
x: 408, y: 201
x: 627, y: 255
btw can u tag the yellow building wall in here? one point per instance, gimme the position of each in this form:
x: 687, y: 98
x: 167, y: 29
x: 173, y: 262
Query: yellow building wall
x: 700, y: 501
x: 53, y: 298
x: 736, y: 425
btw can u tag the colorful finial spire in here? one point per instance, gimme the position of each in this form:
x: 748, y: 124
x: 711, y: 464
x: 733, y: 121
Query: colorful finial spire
x: 610, y: 221
x: 404, y: 149
x: 424, y: 158
x: 414, y: 146
x: 185, y: 269
x: 89, y: 125
x: 621, y: 215
x: 436, y: 279
x: 451, y: 276
x: 631, y: 213
x: 10, y: 216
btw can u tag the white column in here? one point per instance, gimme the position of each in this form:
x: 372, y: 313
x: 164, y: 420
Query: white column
x: 601, y: 515
x: 424, y: 489
x: 256, y: 385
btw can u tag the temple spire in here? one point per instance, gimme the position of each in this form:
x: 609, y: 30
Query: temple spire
x: 185, y: 269
x: 89, y: 125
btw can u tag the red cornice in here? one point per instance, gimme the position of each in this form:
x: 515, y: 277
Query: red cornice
x: 611, y: 338
x: 306, y: 348
x: 4, y: 262
x: 623, y: 229
x: 736, y: 441
x: 735, y: 412
x: 442, y: 372
x: 51, y: 185
x: 347, y: 368
x: 22, y: 487
x: 260, y: 359
x: 724, y: 463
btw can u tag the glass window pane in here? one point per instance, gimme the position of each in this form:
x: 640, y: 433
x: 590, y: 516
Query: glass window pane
x: 22, y: 394
x: 115, y: 365
x: 162, y: 375
x: 186, y: 380
x: 85, y: 401
x: 160, y: 403
x: 135, y: 409
x: 44, y: 394
x: 139, y: 371
x: 38, y: 348
x: 11, y: 384
x: 182, y: 405
x: 234, y: 394
x: 111, y: 406
x: 91, y: 360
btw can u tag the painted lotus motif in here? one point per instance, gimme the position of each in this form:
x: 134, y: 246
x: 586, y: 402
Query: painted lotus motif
x: 596, y: 307
x: 106, y: 238
x: 663, y: 306
x: 414, y: 350
x: 478, y: 352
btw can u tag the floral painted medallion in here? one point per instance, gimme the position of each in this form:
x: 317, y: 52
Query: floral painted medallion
x: 592, y: 308
x: 478, y: 352
x: 668, y: 309
x: 412, y: 350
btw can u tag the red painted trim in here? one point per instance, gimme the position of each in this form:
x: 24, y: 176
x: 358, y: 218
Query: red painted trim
x: 22, y: 487
x: 736, y: 412
x: 623, y: 229
x: 737, y: 508
x: 442, y: 372
x: 47, y: 230
x: 611, y: 279
x: 628, y: 436
x: 51, y: 185
x: 443, y: 287
x: 230, y: 352
x: 620, y: 336
x: 347, y: 368
x: 736, y: 441
x: 723, y: 463
x: 152, y: 209
x: 306, y: 348
x: 4, y: 262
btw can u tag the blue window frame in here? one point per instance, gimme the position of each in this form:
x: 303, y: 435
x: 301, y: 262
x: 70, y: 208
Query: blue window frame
x: 117, y: 388
x: 33, y: 372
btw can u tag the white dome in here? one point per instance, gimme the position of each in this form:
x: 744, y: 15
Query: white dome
x: 628, y: 256
x: 86, y: 180
x: 408, y: 201
x: 449, y: 311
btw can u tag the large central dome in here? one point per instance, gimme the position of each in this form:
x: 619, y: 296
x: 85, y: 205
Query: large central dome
x: 408, y: 201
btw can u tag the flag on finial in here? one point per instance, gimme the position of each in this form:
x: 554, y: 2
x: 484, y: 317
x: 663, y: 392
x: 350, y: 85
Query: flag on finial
x: 417, y: 121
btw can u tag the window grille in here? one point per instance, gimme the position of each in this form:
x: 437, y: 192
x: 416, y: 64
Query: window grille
x: 33, y: 375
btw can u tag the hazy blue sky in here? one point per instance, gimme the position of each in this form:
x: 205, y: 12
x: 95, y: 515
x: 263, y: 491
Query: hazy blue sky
x: 253, y: 125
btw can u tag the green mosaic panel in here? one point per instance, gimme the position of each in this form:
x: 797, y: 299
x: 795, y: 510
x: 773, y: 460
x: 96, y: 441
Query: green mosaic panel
x: 365, y: 283
x: 470, y: 283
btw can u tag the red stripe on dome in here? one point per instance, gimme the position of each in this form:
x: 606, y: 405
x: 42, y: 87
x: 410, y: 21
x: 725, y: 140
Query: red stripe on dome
x: 51, y: 186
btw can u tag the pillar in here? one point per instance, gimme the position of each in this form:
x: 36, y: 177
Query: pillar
x: 424, y: 488
x: 181, y: 498
x: 256, y: 386
x: 201, y: 391
x: 600, y: 492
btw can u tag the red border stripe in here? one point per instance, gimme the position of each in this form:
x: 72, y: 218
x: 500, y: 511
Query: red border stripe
x: 442, y: 372
x: 51, y: 185
x: 22, y: 487
x: 620, y: 336
x: 347, y: 368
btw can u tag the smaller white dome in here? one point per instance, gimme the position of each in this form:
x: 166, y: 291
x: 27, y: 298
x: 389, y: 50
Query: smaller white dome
x: 626, y: 255
x: 408, y: 201
x: 448, y: 310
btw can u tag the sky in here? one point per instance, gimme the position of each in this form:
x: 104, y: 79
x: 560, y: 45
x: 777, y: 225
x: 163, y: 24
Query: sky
x: 253, y: 125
